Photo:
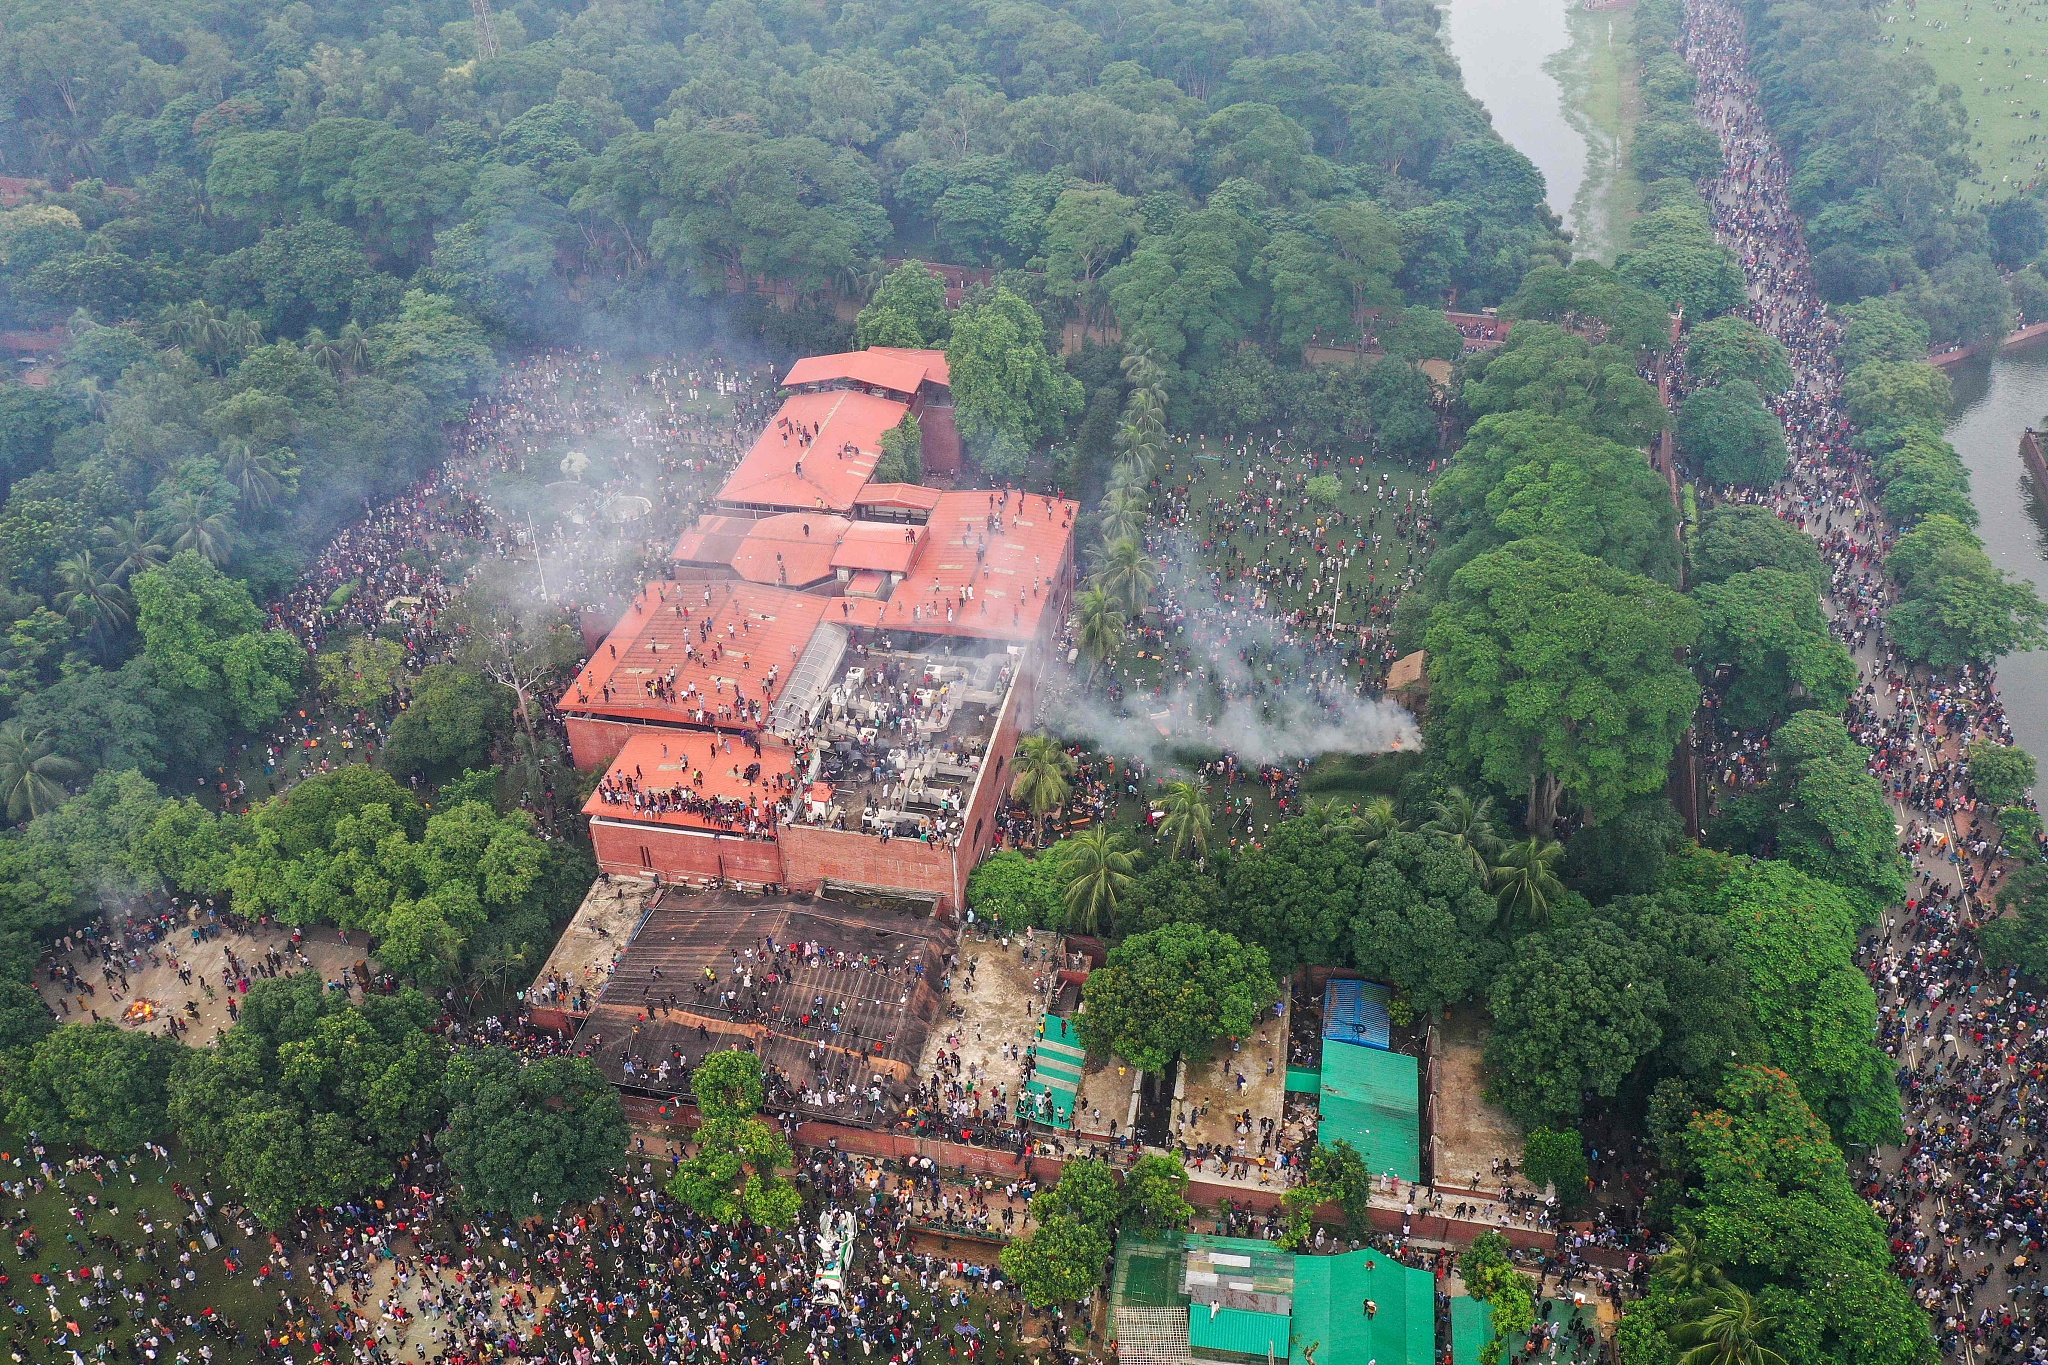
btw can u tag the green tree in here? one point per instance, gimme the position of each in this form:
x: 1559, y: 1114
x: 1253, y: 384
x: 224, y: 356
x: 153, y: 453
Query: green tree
x: 1736, y: 537
x: 908, y: 309
x: 1570, y: 1022
x: 1492, y: 1278
x: 1766, y: 626
x: 1295, y: 893
x: 1522, y: 474
x: 1730, y: 436
x: 1016, y: 891
x: 1923, y: 476
x: 96, y: 1085
x: 450, y: 721
x: 1058, y: 1261
x: 1421, y: 913
x: 1955, y: 606
x: 1173, y: 992
x: 735, y: 1173
x: 1880, y: 329
x: 363, y: 673
x: 1100, y: 625
x: 1128, y: 574
x: 310, y: 1099
x: 1829, y: 816
x: 1795, y: 937
x: 2020, y: 935
x: 1155, y: 1194
x: 1886, y: 398
x: 1089, y: 226
x: 204, y: 637
x: 1732, y: 347
x: 1556, y: 1158
x: 2001, y: 774
x: 1544, y: 369
x: 25, y: 1020
x: 1097, y: 869
x: 1005, y: 383
x: 1728, y: 1328
x: 902, y: 459
x: 1557, y: 674
x: 527, y: 1137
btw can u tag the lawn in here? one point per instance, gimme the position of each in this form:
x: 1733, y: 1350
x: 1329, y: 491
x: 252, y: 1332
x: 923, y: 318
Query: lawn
x: 1997, y: 53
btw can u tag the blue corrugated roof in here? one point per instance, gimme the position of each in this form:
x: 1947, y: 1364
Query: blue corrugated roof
x: 1356, y: 1012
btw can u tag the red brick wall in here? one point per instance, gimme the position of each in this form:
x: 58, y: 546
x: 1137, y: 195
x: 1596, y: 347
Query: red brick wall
x: 813, y: 853
x: 685, y: 855
x: 594, y: 741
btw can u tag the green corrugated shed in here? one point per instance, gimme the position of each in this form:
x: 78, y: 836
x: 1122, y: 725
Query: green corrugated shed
x: 1372, y: 1099
x: 1304, y: 1080
x: 1236, y: 1331
x: 1471, y: 1325
x: 1330, y: 1294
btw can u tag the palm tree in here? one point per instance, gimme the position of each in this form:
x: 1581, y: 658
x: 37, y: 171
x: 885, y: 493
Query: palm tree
x: 94, y: 598
x: 244, y: 332
x: 1144, y: 374
x: 1467, y: 826
x: 1525, y: 887
x: 259, y: 477
x: 1039, y: 778
x: 194, y: 527
x: 1726, y: 1328
x: 199, y: 326
x: 1374, y: 823
x: 1101, y: 623
x: 323, y: 350
x: 31, y: 774
x: 135, y: 549
x: 1127, y: 573
x: 1123, y: 514
x: 1098, y: 869
x: 355, y: 347
x: 1688, y: 1266
x: 1187, y: 821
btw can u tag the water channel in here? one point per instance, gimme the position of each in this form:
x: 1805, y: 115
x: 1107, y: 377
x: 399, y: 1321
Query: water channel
x: 1538, y: 67
x: 1996, y: 399
x: 1518, y: 57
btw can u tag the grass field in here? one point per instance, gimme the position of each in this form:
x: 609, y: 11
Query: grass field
x: 1997, y: 52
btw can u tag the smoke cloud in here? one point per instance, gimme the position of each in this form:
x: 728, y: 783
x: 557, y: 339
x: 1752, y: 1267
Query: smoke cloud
x: 1253, y: 689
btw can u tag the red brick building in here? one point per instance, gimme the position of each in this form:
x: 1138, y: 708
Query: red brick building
x: 830, y: 685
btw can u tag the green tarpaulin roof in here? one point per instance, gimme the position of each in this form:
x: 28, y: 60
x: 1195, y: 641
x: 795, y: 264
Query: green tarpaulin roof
x: 1238, y: 1331
x: 1372, y: 1099
x: 1471, y: 1325
x: 1330, y: 1297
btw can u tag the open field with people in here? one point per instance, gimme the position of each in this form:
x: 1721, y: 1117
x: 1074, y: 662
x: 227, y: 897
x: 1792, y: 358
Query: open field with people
x: 1995, y: 52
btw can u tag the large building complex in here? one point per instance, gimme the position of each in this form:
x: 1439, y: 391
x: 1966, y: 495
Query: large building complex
x: 828, y: 686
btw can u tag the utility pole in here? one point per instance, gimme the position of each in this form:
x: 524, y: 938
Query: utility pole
x: 486, y: 31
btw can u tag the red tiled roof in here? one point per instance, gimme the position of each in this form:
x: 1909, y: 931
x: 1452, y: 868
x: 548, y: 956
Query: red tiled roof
x: 781, y: 471
x: 713, y: 540
x: 753, y: 630
x: 896, y: 368
x: 703, y: 763
x: 793, y: 550
x: 883, y: 545
x: 897, y: 495
x: 1013, y: 571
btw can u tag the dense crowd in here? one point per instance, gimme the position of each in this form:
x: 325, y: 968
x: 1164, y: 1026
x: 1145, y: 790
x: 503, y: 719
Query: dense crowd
x: 1964, y: 1196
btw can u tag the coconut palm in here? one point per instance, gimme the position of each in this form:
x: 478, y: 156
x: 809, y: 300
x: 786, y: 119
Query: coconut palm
x: 134, y: 549
x: 1688, y: 1266
x: 1123, y: 515
x: 1467, y: 826
x: 1725, y: 1328
x: 1098, y: 870
x: 323, y: 350
x: 260, y: 477
x: 1524, y: 885
x: 1143, y: 373
x: 1127, y: 573
x: 1101, y: 624
x: 1376, y: 821
x: 244, y: 332
x: 93, y: 597
x: 355, y: 347
x: 200, y: 327
x: 1039, y: 776
x: 31, y: 773
x: 192, y: 525
x: 1187, y: 821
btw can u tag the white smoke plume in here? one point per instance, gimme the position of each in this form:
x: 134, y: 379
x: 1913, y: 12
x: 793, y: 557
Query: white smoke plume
x: 1290, y: 712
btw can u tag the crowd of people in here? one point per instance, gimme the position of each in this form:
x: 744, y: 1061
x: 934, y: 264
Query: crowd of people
x: 1965, y: 1195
